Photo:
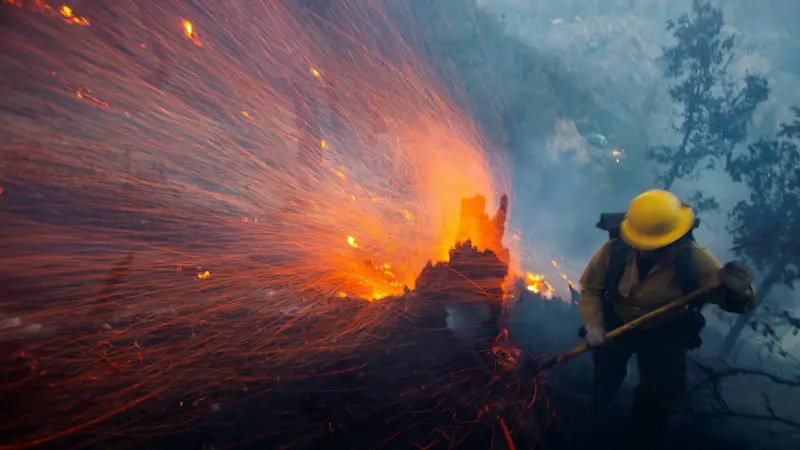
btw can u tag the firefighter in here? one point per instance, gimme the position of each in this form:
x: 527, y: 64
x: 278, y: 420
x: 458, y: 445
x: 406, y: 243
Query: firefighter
x: 653, y: 260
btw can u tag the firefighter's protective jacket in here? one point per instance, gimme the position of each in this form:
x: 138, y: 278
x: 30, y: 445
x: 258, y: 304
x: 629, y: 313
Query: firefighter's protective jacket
x: 659, y: 287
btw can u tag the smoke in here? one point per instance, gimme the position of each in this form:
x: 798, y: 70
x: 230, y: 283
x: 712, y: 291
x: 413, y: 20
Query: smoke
x: 609, y: 83
x: 596, y: 66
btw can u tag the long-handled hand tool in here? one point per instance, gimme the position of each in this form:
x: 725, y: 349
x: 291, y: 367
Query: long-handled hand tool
x: 630, y: 326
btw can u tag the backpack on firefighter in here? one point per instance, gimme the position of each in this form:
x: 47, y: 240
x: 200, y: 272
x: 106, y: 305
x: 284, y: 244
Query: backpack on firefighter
x: 693, y: 320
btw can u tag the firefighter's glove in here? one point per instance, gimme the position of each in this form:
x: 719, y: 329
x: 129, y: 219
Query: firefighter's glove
x: 595, y: 335
x: 737, y: 278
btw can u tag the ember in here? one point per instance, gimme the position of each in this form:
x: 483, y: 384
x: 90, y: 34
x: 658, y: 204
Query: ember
x: 617, y: 154
x: 66, y: 11
x: 188, y: 31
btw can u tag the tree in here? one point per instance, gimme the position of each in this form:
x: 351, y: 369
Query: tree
x: 715, y: 108
x: 766, y: 227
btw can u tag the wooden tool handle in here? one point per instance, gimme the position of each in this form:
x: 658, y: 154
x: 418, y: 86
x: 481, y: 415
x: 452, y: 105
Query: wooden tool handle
x: 635, y: 323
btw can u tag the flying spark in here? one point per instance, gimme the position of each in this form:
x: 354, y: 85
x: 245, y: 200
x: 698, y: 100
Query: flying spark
x: 70, y: 17
x: 190, y: 33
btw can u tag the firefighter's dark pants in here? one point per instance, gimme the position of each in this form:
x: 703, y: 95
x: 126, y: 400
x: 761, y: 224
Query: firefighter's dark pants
x: 661, y: 358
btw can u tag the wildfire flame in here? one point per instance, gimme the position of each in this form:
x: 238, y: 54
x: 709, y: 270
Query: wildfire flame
x: 107, y: 220
x: 536, y: 283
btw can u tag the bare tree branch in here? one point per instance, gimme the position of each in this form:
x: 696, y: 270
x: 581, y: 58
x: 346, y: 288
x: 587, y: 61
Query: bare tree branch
x: 715, y: 375
x: 719, y: 408
x: 725, y: 415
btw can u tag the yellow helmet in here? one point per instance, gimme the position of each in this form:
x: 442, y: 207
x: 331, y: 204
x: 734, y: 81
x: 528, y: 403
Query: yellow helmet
x: 655, y: 219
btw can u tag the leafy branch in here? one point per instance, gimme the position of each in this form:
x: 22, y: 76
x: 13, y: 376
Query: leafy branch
x: 715, y: 108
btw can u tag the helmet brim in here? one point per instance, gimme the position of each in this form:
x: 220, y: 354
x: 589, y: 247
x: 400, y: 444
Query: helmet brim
x: 684, y: 224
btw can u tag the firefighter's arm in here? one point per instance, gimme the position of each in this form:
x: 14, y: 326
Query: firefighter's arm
x: 592, y: 285
x: 738, y: 294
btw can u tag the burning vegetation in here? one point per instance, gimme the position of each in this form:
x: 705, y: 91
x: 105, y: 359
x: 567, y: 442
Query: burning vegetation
x: 535, y: 282
x: 191, y: 228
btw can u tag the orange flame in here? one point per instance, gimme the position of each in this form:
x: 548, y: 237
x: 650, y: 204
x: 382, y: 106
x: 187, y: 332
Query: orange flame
x: 536, y: 283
